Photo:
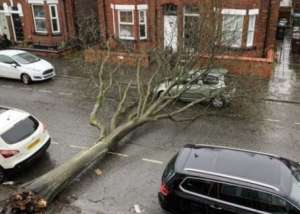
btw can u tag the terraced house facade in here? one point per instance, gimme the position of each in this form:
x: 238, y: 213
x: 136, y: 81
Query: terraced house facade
x: 145, y: 24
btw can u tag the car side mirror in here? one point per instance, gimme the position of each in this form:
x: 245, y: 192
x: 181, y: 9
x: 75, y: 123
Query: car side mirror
x: 14, y: 64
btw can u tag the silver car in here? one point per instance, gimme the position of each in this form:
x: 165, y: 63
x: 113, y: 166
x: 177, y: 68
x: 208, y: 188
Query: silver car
x: 209, y: 85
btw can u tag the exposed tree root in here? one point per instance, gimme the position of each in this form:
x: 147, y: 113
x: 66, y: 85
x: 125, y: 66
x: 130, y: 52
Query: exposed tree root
x: 25, y: 202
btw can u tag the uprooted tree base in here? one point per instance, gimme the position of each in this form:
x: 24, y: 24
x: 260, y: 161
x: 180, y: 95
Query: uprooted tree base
x: 25, y: 202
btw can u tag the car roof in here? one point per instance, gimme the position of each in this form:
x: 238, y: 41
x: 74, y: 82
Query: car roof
x: 247, y: 168
x: 9, y: 117
x: 11, y: 52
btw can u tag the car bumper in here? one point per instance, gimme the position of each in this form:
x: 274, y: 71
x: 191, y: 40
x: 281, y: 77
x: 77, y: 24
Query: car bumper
x: 167, y: 204
x: 31, y: 159
x: 44, y: 77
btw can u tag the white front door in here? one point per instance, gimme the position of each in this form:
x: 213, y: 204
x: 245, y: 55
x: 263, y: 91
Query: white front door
x: 4, y: 26
x: 170, y: 32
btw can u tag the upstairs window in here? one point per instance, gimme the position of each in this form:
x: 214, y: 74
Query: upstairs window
x: 54, y: 19
x: 39, y: 18
x: 126, y: 24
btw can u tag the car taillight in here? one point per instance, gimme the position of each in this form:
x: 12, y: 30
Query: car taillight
x: 164, y: 190
x: 8, y: 153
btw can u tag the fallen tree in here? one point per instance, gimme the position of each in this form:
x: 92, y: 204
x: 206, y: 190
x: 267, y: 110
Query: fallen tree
x: 137, y: 104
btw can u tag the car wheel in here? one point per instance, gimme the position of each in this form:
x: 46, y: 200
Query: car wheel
x: 218, y: 102
x: 2, y: 175
x: 26, y: 79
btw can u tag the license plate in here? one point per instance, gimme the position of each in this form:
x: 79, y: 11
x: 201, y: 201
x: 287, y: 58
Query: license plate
x: 32, y: 145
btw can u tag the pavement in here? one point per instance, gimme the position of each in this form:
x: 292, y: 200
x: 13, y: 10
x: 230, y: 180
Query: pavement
x: 130, y: 177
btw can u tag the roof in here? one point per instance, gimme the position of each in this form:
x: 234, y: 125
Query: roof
x: 247, y: 168
x: 10, y: 117
x: 11, y: 52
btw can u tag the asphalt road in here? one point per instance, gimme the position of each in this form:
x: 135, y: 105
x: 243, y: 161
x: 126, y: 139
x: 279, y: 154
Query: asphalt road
x: 131, y: 176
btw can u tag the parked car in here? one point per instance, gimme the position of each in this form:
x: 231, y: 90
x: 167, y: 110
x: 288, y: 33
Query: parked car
x: 23, y: 138
x: 218, y: 180
x: 199, y: 84
x: 17, y: 64
x: 296, y: 40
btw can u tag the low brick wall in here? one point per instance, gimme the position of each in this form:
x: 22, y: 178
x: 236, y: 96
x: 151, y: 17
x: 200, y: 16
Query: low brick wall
x: 48, y: 53
x: 130, y: 59
x: 262, y: 67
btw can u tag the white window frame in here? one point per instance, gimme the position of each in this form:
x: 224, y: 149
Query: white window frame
x: 35, y: 18
x: 124, y: 9
x: 251, y: 26
x: 56, y: 18
x: 143, y: 24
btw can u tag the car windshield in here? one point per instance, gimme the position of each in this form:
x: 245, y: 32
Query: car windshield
x: 20, y: 130
x: 25, y: 58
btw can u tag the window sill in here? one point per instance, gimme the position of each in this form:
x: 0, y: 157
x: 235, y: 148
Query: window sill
x: 41, y: 33
x: 237, y: 49
x: 127, y: 38
x: 56, y: 34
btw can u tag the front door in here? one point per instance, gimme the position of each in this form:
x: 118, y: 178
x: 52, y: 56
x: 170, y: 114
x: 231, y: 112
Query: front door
x: 170, y: 32
x: 18, y: 27
x: 4, y: 26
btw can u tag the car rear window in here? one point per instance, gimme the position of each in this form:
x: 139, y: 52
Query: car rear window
x: 20, y: 130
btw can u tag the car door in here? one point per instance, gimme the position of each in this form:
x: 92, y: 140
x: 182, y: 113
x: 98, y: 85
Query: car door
x: 233, y: 199
x: 8, y: 67
x: 196, y: 195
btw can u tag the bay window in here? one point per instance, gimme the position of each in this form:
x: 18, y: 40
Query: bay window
x: 251, y: 26
x: 251, y: 29
x: 55, y: 26
x: 39, y: 18
x: 232, y: 31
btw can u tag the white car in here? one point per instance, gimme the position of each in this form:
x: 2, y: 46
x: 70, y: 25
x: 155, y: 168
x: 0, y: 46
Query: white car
x: 17, y: 64
x: 22, y: 139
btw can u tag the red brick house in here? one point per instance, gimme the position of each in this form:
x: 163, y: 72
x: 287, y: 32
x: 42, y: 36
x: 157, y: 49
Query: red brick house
x: 144, y: 24
x: 42, y: 23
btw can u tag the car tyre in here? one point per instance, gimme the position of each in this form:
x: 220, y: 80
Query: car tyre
x: 218, y: 102
x: 26, y: 79
x: 2, y: 175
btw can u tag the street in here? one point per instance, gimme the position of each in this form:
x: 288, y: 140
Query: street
x: 131, y: 175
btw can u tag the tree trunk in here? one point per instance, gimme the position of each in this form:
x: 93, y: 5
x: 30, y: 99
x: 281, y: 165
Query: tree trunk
x: 49, y: 185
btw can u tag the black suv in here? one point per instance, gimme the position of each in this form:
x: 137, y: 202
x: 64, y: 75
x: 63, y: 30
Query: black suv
x: 219, y: 180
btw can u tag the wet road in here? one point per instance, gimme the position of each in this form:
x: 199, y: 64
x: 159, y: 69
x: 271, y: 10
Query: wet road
x: 131, y: 176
